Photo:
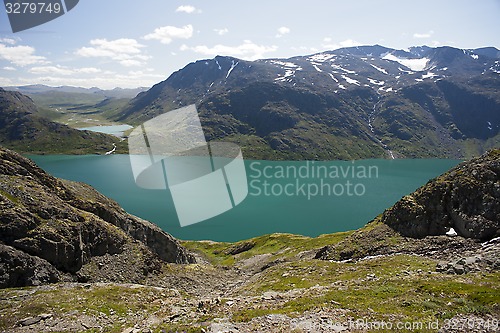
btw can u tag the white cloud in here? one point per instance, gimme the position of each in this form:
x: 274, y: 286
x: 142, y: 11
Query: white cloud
x: 346, y: 43
x: 9, y: 41
x: 168, y: 33
x: 187, y: 9
x: 221, y: 31
x: 131, y: 63
x: 89, y: 70
x: 282, y: 31
x: 423, y: 35
x: 126, y: 51
x: 62, y: 70
x: 7, y: 82
x: 21, y: 55
x: 247, y: 50
x: 303, y: 49
x: 9, y: 68
x: 103, y: 47
x: 57, y: 70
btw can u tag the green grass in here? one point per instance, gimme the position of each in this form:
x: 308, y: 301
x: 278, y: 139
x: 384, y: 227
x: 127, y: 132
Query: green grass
x: 392, y: 288
x: 405, y: 287
x: 10, y: 197
x: 78, y: 109
x: 119, y: 300
x: 400, y: 287
x: 284, y: 246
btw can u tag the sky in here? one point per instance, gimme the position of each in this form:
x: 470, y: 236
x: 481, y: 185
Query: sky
x: 128, y: 44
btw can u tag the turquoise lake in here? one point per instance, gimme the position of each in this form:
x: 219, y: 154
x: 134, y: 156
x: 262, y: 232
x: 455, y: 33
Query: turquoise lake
x: 307, y: 198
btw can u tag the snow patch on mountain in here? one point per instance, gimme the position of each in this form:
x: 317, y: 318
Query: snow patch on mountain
x: 316, y: 67
x: 321, y: 57
x: 350, y: 81
x: 343, y: 69
x: 405, y: 71
x: 429, y: 75
x: 417, y: 65
x: 284, y: 63
x: 233, y: 65
x: 333, y: 77
x: 375, y: 82
x: 288, y: 73
x: 379, y: 69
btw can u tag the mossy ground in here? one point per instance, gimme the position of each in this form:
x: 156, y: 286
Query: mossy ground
x: 403, y: 287
x: 282, y: 246
x: 393, y: 288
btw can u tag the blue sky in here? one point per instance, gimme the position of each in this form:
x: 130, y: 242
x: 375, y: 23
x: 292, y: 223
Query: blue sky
x: 120, y: 43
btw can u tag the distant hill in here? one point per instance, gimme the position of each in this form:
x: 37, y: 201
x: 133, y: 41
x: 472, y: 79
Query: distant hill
x: 113, y: 93
x: 359, y: 102
x: 24, y: 129
x: 78, y: 107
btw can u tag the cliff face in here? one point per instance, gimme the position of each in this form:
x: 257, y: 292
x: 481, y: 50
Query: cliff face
x: 467, y: 199
x: 52, y: 229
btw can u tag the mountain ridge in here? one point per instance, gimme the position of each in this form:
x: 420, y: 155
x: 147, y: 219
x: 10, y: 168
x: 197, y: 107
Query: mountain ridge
x: 313, y: 105
x: 108, y: 93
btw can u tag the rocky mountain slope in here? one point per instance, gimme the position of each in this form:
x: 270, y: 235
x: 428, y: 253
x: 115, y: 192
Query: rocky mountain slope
x: 53, y: 230
x: 359, y: 102
x: 377, y: 275
x: 24, y: 129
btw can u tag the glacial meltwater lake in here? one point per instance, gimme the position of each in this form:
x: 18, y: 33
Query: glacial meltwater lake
x: 300, y: 197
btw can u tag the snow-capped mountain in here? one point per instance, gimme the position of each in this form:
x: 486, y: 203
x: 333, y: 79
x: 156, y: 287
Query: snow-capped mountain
x: 359, y: 102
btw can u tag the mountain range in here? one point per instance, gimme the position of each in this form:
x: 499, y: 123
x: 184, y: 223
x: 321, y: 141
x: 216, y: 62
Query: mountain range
x: 358, y: 102
x: 110, y: 93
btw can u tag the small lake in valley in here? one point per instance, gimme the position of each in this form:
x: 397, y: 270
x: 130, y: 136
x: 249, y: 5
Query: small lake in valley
x: 116, y: 130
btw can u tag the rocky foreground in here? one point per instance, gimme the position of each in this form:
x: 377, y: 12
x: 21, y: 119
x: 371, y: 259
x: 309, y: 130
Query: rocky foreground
x: 72, y: 260
x: 53, y: 230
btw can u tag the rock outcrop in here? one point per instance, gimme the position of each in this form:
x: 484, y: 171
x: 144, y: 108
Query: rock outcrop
x: 454, y: 218
x: 50, y: 229
x: 466, y: 198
